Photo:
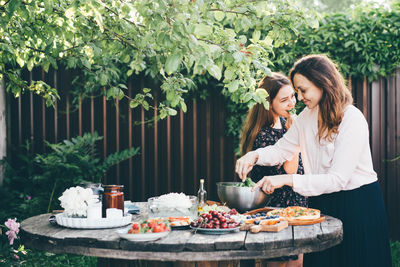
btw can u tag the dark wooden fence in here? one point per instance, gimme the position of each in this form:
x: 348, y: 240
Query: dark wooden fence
x: 176, y: 152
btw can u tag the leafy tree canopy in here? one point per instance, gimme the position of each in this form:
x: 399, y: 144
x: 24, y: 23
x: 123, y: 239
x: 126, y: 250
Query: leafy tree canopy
x: 330, y: 6
x: 173, y: 41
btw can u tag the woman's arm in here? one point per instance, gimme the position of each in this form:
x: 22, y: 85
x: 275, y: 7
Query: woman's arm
x: 291, y: 166
x: 283, y: 150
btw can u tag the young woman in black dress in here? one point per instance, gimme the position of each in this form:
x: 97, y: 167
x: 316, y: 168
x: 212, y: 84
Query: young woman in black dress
x: 264, y: 128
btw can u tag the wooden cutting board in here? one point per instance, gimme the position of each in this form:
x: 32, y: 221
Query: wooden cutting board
x: 307, y: 222
x: 269, y: 228
x: 264, y: 228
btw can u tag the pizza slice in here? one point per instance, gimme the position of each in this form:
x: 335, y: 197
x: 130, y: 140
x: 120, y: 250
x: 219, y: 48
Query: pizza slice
x: 296, y: 213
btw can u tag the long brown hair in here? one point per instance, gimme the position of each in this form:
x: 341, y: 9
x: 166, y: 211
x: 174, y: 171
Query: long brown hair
x: 323, y: 73
x: 258, y: 116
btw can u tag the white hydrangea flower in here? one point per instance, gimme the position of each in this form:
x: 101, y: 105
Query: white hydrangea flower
x: 75, y: 200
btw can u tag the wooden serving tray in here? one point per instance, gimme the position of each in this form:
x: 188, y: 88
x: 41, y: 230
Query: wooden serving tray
x: 307, y: 222
x: 264, y: 228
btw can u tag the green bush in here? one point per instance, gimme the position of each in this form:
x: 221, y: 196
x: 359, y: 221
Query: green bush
x: 395, y: 248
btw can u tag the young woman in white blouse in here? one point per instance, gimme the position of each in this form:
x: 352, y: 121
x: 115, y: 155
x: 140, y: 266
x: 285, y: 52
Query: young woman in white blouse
x: 333, y: 138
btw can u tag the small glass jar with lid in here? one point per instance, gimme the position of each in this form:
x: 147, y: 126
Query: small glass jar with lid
x: 113, y: 197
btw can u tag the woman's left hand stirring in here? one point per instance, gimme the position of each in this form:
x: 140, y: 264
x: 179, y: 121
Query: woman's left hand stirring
x: 269, y: 183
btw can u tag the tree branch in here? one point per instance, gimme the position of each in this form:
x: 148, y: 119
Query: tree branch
x: 115, y: 13
x: 211, y: 42
x: 229, y: 11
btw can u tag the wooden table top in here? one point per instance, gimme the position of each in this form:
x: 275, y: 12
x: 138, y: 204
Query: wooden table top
x: 182, y: 245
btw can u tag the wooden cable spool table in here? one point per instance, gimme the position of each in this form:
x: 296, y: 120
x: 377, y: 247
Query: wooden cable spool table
x: 183, y: 247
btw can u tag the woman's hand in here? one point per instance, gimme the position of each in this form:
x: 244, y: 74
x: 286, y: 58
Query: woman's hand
x: 269, y: 183
x: 245, y: 164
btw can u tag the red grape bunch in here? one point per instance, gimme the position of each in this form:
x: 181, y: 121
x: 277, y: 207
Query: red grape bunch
x: 216, y: 220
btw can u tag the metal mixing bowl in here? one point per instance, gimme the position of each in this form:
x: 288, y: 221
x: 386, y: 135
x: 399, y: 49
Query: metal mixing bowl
x: 241, y: 198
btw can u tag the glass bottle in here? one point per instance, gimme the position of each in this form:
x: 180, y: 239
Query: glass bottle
x: 113, y: 197
x: 201, y: 196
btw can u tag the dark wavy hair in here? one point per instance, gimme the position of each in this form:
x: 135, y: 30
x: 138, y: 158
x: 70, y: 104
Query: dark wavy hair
x: 258, y: 116
x: 324, y: 74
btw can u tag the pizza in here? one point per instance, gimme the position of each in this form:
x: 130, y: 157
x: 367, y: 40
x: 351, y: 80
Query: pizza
x: 296, y: 213
x: 179, y: 221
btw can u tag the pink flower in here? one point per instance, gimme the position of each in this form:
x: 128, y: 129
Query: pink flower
x: 12, y: 225
x: 29, y: 197
x: 11, y: 236
x: 16, y: 256
x: 14, y: 229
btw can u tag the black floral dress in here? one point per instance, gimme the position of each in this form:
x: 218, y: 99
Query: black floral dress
x: 284, y: 196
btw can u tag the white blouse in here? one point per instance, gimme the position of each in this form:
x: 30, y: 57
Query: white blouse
x: 343, y: 164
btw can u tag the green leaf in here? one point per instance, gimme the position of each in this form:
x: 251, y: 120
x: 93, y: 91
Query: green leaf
x: 229, y: 74
x: 46, y: 66
x: 247, y: 96
x: 233, y: 86
x: 172, y: 112
x: 348, y: 43
x: 214, y: 71
x: 70, y: 12
x: 103, y: 79
x: 133, y: 104
x: 126, y: 59
x: 262, y: 93
x: 12, y: 6
x: 238, y: 56
x: 121, y: 95
x: 145, y: 105
x: 219, y: 15
x: 173, y: 62
x: 183, y: 106
x: 267, y: 41
x: 266, y: 105
x: 48, y: 5
x: 256, y: 36
x: 202, y: 30
x: 98, y: 18
x: 30, y: 64
x: 20, y: 62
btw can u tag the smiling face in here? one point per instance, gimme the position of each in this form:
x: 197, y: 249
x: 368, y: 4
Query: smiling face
x: 307, y: 91
x: 284, y: 101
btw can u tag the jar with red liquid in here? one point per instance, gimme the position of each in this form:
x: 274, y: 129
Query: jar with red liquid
x: 113, y: 197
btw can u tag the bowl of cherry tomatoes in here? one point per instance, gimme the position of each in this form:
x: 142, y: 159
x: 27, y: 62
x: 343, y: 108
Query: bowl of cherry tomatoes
x: 148, y: 230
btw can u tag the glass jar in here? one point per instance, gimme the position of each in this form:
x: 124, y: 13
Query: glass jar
x: 113, y: 197
x: 96, y: 188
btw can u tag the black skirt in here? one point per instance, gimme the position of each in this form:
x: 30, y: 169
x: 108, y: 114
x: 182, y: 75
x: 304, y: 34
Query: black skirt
x: 365, y: 235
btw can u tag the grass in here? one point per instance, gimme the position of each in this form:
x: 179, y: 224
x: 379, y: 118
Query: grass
x: 395, y: 248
